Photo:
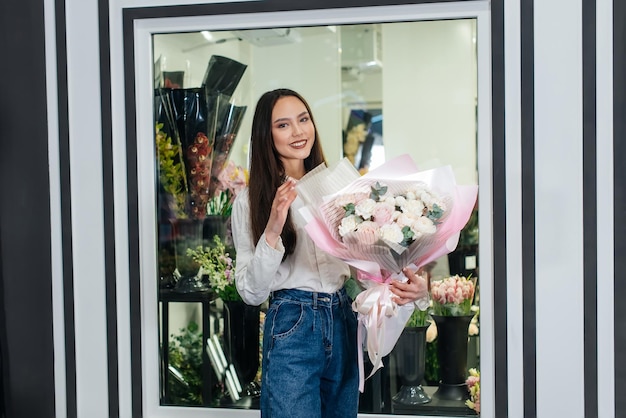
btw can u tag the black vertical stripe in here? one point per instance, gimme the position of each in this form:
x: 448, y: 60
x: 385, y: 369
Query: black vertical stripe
x: 528, y: 207
x: 66, y: 210
x: 26, y: 318
x: 590, y: 224
x: 109, y: 208
x: 619, y: 196
x: 133, y: 212
x: 499, y: 210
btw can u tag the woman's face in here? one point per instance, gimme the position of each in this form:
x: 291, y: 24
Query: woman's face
x: 292, y: 130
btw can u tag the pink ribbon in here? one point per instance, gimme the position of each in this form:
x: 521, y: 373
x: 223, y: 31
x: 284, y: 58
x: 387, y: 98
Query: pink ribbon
x: 372, y: 305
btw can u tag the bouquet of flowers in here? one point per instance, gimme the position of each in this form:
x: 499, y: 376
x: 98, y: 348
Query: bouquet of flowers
x: 473, y: 385
x: 396, y: 219
x: 217, y: 265
x: 202, y: 124
x: 452, y: 296
x: 388, y: 219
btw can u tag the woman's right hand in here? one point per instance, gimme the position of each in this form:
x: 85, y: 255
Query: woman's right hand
x: 284, y: 197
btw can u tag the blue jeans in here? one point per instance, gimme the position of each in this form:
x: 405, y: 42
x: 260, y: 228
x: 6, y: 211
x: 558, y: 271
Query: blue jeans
x: 309, y: 356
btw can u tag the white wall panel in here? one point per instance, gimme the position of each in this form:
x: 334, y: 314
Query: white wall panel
x: 558, y: 207
x: 515, y: 337
x: 604, y: 133
x: 87, y: 207
x: 55, y: 212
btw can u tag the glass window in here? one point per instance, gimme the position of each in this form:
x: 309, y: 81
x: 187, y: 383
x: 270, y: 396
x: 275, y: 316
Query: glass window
x: 377, y: 90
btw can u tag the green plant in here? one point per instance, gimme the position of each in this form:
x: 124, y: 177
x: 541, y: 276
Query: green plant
x: 216, y: 263
x: 431, y: 372
x: 185, y: 356
x: 171, y: 170
x: 418, y: 318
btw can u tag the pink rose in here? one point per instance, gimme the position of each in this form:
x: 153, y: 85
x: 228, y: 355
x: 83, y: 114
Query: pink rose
x: 367, y: 232
x: 383, y: 213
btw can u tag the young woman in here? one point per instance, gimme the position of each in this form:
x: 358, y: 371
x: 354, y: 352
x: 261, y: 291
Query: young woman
x: 309, y: 366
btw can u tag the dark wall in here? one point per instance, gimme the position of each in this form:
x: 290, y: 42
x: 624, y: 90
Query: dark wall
x: 26, y: 340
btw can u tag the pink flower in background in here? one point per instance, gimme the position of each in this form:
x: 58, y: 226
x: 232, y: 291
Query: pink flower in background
x: 473, y: 386
x: 231, y: 180
x: 452, y: 296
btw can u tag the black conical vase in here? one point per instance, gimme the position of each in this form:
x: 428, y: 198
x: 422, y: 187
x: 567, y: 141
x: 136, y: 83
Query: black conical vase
x: 452, y: 340
x: 241, y: 339
x: 409, y: 354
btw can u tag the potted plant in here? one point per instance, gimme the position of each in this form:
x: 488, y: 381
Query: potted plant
x: 410, y: 359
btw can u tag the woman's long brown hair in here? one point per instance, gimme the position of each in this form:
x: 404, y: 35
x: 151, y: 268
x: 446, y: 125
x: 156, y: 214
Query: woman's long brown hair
x: 266, y: 169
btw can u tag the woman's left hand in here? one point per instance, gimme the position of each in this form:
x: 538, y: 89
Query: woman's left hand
x: 415, y: 288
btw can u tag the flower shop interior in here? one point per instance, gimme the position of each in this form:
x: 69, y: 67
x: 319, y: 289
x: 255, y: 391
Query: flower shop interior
x: 139, y: 290
x: 351, y: 106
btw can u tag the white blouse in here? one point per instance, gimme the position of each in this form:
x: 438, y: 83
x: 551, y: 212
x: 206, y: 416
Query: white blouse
x: 259, y: 268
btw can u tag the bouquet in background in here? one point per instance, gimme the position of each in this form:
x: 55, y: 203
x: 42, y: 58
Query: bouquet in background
x: 225, y: 136
x: 219, y: 268
x: 473, y: 385
x: 171, y: 171
x: 379, y: 223
x: 202, y: 123
x: 452, y: 296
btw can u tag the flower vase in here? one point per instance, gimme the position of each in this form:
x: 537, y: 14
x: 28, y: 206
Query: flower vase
x: 188, y: 234
x: 215, y: 225
x: 241, y: 340
x: 409, y: 354
x: 452, y: 341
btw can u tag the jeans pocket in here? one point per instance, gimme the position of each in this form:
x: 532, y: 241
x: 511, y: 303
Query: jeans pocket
x: 287, y: 317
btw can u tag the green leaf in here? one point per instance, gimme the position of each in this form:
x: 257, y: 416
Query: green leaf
x: 349, y: 208
x: 377, y: 191
x: 435, y: 213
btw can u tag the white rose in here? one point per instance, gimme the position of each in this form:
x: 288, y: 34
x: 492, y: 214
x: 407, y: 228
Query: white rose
x: 430, y: 200
x: 348, y: 224
x: 392, y: 233
x: 365, y: 208
x: 414, y: 208
x: 405, y: 220
x: 423, y: 225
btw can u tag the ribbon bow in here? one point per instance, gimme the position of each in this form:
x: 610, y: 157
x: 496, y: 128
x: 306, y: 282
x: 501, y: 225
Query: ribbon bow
x: 372, y: 306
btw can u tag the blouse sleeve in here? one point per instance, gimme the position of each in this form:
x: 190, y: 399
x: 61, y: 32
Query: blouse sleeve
x: 256, y: 266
